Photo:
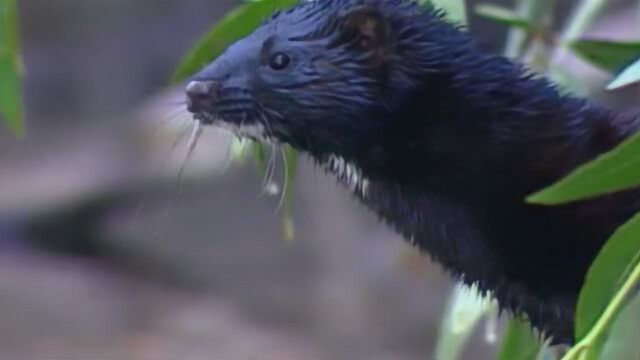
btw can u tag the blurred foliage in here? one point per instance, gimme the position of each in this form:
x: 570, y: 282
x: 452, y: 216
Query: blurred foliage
x: 608, y: 55
x: 630, y: 75
x: 622, y: 343
x: 519, y: 342
x: 610, y: 282
x: 465, y: 310
x: 612, y: 171
x: 616, y: 271
x: 238, y: 23
x: 10, y: 67
x: 503, y: 16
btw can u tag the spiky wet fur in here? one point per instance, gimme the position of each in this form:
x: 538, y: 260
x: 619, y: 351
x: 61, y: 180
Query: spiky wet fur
x: 449, y: 139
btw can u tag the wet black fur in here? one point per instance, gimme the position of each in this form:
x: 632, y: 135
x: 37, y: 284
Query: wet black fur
x: 450, y: 137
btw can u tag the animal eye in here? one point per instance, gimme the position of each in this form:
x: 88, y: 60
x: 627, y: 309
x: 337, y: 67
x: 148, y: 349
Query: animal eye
x: 279, y: 61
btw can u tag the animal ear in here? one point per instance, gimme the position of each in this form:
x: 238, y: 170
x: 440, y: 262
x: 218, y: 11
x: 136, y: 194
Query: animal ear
x: 366, y: 27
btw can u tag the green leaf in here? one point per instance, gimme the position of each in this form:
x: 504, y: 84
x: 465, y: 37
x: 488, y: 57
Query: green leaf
x: 622, y: 342
x: 631, y: 75
x: 456, y: 10
x: 10, y: 68
x: 606, y: 54
x: 615, y: 170
x: 535, y: 12
x: 290, y: 157
x: 503, y: 16
x: 466, y: 308
x: 568, y: 82
x: 608, y: 271
x: 519, y: 342
x: 259, y: 152
x: 239, y: 149
x: 591, y: 344
x: 239, y: 23
x: 583, y: 16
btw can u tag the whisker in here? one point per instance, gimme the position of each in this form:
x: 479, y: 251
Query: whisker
x: 177, y: 114
x: 285, y: 184
x: 158, y: 126
x: 158, y: 167
x: 267, y: 125
x: 269, y: 171
x: 177, y: 117
x: 196, y: 133
x: 193, y: 142
x: 169, y: 205
x: 176, y: 102
x: 228, y: 155
x: 184, y: 130
x: 178, y: 109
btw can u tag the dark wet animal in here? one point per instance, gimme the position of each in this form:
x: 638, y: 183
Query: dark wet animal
x: 438, y: 137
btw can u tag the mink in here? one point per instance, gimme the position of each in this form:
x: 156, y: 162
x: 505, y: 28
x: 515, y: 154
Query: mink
x: 442, y: 139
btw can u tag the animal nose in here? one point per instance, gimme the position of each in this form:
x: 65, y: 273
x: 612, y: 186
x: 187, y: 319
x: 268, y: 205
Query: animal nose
x: 200, y: 95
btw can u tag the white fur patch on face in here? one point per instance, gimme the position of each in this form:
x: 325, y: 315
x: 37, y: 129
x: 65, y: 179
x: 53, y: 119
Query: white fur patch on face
x: 256, y: 131
x: 348, y: 173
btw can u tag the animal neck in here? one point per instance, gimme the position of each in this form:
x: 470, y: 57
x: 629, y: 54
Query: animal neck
x: 451, y: 174
x: 487, y: 124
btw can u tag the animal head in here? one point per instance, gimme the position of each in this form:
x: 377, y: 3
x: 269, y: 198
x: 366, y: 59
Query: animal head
x: 325, y: 76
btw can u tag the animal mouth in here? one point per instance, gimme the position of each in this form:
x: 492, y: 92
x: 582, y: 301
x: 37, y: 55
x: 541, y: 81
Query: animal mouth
x: 206, y: 118
x: 239, y: 125
x: 231, y: 109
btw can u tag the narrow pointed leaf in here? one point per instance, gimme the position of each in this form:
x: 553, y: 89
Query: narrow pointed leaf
x: 612, y: 267
x: 606, y: 54
x: 629, y: 76
x: 616, y: 170
x: 502, y: 16
x: 238, y: 23
x: 291, y: 166
x: 622, y: 342
x: 10, y: 68
x: 519, y: 342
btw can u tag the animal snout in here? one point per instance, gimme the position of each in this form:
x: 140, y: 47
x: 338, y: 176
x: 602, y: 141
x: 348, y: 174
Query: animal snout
x: 201, y: 95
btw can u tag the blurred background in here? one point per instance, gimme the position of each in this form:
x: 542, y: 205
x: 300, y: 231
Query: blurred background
x: 104, y: 256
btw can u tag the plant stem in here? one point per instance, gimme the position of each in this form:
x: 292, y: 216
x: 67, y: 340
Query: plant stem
x: 583, y: 16
x: 607, y: 317
x: 532, y: 11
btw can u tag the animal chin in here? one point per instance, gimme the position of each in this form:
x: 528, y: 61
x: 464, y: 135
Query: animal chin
x: 348, y: 173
